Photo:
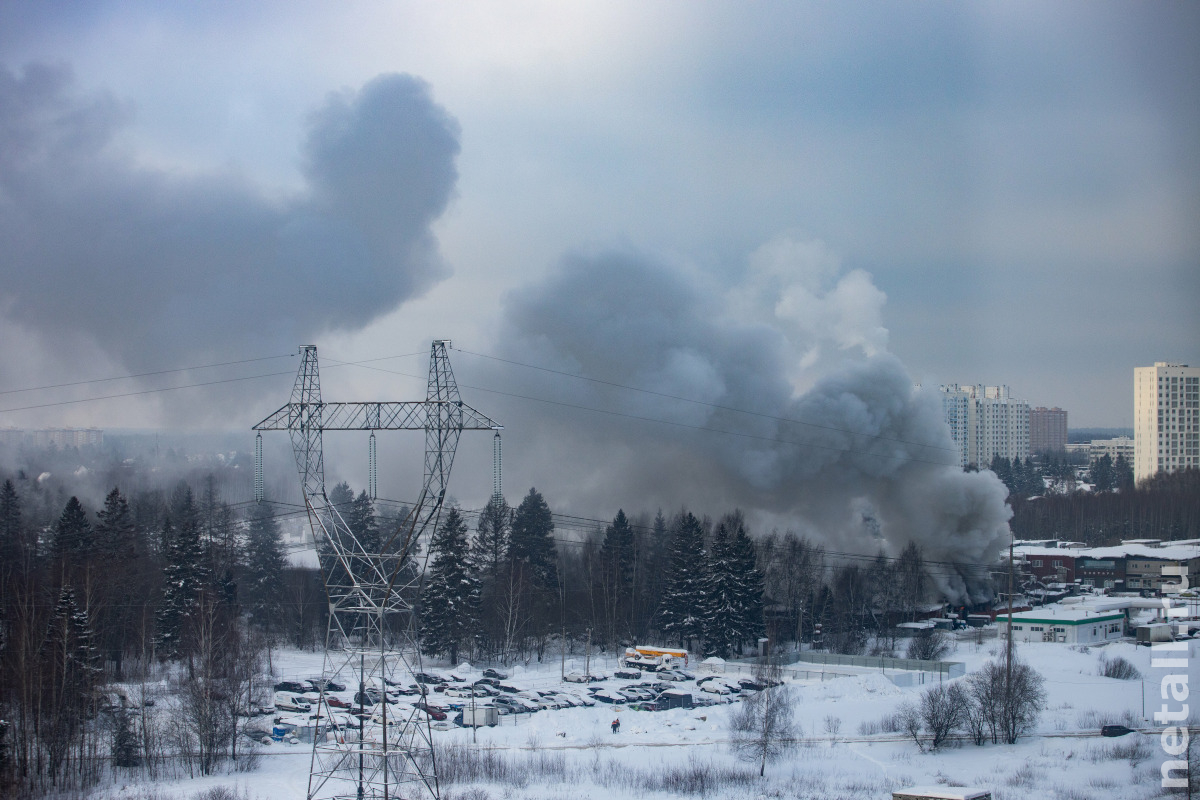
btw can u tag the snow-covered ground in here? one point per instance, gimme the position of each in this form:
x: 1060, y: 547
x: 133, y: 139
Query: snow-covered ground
x: 572, y: 753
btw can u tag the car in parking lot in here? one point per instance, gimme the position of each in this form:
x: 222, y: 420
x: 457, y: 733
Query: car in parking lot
x: 516, y: 705
x: 330, y: 686
x: 610, y: 696
x: 715, y: 687
x: 628, y: 674
x: 335, y: 702
x: 432, y: 713
x: 291, y: 686
x: 429, y: 678
x: 291, y: 702
x: 495, y: 673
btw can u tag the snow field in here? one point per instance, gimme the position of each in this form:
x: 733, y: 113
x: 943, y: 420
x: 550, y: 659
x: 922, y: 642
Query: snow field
x: 572, y: 753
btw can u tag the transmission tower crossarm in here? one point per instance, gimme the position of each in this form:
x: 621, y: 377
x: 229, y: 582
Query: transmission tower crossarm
x: 413, y: 415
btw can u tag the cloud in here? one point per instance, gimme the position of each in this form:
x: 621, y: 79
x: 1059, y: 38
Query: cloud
x: 159, y: 268
x: 854, y: 453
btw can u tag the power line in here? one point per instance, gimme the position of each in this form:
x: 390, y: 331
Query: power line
x: 185, y: 386
x: 143, y: 374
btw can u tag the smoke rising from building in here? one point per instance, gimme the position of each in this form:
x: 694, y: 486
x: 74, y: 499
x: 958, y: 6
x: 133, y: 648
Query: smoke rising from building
x: 838, y: 444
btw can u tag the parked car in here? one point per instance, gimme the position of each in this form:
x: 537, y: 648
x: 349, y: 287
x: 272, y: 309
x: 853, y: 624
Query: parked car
x: 430, y: 678
x: 335, y: 702
x: 330, y: 686
x: 432, y: 713
x: 628, y: 674
x: 748, y: 683
x: 715, y: 687
x: 576, y: 677
x: 493, y: 682
x: 291, y: 686
x: 495, y: 673
x: 610, y: 696
x: 671, y: 675
x: 583, y: 699
x: 291, y: 702
x: 515, y: 705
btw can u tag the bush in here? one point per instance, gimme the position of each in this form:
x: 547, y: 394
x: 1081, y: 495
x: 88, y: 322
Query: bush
x: 929, y: 645
x: 1119, y: 668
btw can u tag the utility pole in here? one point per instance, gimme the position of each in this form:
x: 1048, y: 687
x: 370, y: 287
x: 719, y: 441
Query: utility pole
x: 587, y: 657
x: 1009, y: 650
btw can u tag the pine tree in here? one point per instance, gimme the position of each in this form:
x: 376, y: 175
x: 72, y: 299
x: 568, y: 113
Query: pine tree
x: 750, y: 584
x: 489, y: 551
x: 13, y: 543
x: 362, y: 523
x: 73, y: 539
x: 684, y: 593
x: 1101, y: 473
x: 116, y: 536
x: 117, y: 551
x: 531, y: 542
x: 1122, y: 473
x: 533, y: 565
x: 265, y: 563
x: 720, y: 606
x: 185, y: 574
x: 450, y: 598
x: 68, y: 672
x: 616, y: 575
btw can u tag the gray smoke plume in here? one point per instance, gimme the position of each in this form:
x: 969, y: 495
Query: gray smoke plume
x: 155, y: 267
x: 842, y: 448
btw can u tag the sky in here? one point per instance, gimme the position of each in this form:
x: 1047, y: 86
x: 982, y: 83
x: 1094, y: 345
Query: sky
x: 732, y: 203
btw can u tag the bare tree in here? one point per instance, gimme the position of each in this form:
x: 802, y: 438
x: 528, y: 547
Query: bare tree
x: 929, y: 645
x: 943, y: 710
x: 1008, y: 710
x: 763, y: 728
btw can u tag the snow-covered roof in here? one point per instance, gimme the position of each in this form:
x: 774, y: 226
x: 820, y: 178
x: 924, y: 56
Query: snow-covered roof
x: 1173, y: 552
x: 1068, y: 614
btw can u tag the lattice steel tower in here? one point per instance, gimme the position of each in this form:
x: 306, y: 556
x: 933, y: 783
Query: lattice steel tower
x: 372, y: 585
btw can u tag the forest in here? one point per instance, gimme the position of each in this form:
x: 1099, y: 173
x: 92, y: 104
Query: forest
x: 167, y: 584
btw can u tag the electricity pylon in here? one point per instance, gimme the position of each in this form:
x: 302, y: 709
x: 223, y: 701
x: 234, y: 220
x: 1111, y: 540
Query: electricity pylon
x: 372, y: 585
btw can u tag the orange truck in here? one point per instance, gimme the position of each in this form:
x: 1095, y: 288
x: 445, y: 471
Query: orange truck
x: 654, y: 658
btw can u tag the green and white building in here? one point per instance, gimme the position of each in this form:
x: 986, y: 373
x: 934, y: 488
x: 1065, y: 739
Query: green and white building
x: 1067, y: 624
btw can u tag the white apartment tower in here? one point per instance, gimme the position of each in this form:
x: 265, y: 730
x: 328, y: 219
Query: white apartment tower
x: 1166, y: 418
x: 986, y: 421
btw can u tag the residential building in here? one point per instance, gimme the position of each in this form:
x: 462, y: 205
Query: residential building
x: 996, y: 424
x: 1047, y: 430
x: 1166, y: 414
x: 52, y: 437
x: 1120, y: 446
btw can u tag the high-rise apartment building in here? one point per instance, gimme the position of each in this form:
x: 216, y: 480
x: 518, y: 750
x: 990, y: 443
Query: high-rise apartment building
x: 1047, y: 430
x: 995, y: 424
x: 1166, y: 418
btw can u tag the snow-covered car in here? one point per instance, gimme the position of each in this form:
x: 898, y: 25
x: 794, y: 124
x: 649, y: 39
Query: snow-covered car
x: 628, y: 675
x: 716, y: 687
x: 584, y: 700
x: 569, y: 699
x: 610, y: 696
x: 495, y: 673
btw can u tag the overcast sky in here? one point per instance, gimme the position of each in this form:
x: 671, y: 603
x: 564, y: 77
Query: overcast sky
x: 984, y: 192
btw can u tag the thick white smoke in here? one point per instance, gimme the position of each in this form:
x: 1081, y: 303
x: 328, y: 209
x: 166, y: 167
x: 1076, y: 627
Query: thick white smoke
x: 839, y: 444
